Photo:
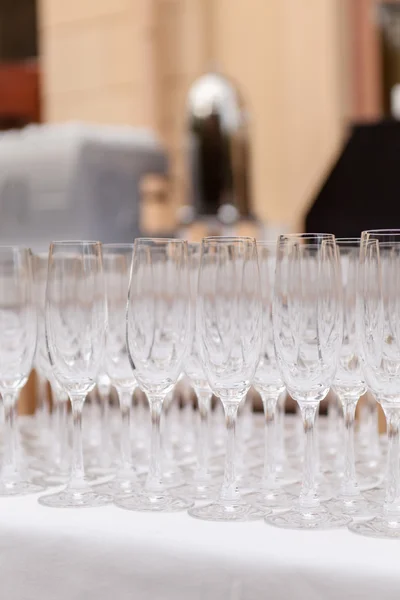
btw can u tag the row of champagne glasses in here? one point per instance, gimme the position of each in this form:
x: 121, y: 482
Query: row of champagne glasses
x: 298, y: 332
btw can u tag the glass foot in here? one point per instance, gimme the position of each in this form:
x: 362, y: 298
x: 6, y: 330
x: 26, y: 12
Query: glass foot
x: 52, y: 480
x: 19, y: 488
x: 237, y: 511
x: 154, y: 502
x: 277, y: 499
x: 170, y: 479
x: 323, y: 489
x: 377, y: 528
x: 247, y: 481
x: 286, y: 475
x: 371, y: 466
x: 356, y: 508
x: 99, y: 471
x: 69, y: 498
x: 376, y: 495
x: 202, y: 490
x: 369, y: 482
x: 118, y: 487
x: 314, y: 519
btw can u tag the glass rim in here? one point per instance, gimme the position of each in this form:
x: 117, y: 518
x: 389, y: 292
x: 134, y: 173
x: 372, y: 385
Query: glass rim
x: 317, y: 246
x: 159, y: 240
x: 381, y: 232
x: 122, y: 246
x: 228, y: 239
x: 266, y: 243
x: 15, y: 248
x: 76, y: 243
x: 307, y: 235
x: 348, y: 243
x: 380, y: 235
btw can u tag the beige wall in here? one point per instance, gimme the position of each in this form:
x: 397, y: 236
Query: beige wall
x: 97, y: 61
x: 132, y: 61
x: 286, y: 56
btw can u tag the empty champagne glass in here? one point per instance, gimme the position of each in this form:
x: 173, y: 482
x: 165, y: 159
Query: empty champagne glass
x: 201, y: 484
x: 18, y: 331
x: 117, y: 262
x: 268, y: 382
x: 229, y: 322
x: 103, y: 462
x: 378, y: 318
x: 307, y: 322
x: 75, y: 321
x: 349, y: 385
x: 158, y: 334
x: 54, y: 464
x: 42, y: 409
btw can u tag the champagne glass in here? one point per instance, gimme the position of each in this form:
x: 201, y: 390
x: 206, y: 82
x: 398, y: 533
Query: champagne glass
x: 378, y: 318
x: 268, y: 382
x: 103, y: 462
x: 307, y: 323
x: 55, y: 464
x: 158, y: 334
x: 75, y: 321
x: 349, y: 385
x: 229, y: 322
x: 117, y: 261
x: 18, y: 331
x: 202, y: 485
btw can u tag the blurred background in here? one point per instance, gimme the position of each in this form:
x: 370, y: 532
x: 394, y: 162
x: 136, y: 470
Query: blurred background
x: 181, y: 117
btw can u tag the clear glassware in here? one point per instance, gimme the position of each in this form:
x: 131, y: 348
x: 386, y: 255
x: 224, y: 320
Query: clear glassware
x: 54, y: 461
x: 18, y: 332
x: 41, y: 363
x: 75, y: 321
x: 103, y: 462
x: 285, y: 471
x: 369, y: 452
x: 349, y: 385
x: 378, y: 318
x: 268, y: 382
x: 229, y: 322
x: 158, y: 334
x: 307, y: 324
x: 117, y: 263
x: 201, y: 484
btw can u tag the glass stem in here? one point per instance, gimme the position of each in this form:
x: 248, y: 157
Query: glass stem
x: 317, y: 458
x: 280, y: 454
x: 269, y: 475
x: 204, y: 403
x: 42, y: 406
x: 60, y: 413
x: 372, y: 428
x: 333, y: 420
x: 392, y: 496
x: 308, y: 495
x: 64, y: 441
x: 77, y: 479
x: 155, y: 473
x: 10, y: 452
x: 106, y: 443
x: 229, y: 490
x: 125, y: 402
x: 349, y: 485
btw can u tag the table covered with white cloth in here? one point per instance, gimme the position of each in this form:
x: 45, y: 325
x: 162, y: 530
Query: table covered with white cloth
x: 111, y: 554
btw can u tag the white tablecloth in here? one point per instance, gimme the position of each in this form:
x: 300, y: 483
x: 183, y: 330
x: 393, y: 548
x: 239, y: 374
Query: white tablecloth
x: 112, y: 554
